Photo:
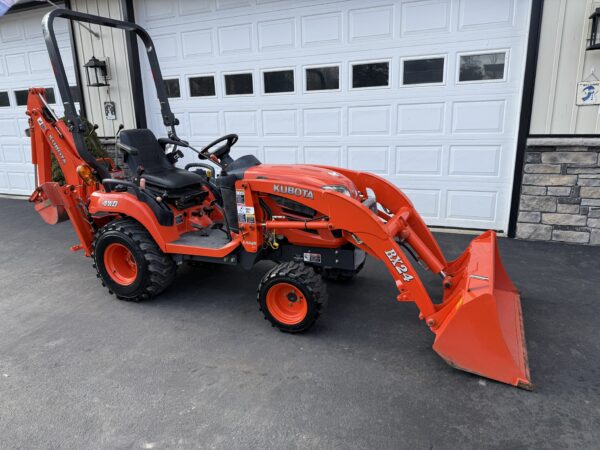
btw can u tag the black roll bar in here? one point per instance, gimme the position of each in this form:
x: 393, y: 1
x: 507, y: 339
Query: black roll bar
x: 73, y: 119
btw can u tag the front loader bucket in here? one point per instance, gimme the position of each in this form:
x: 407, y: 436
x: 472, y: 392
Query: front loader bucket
x: 479, y: 326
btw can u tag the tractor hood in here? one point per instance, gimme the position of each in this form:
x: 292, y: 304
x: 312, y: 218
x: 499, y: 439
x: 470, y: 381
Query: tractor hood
x: 312, y: 177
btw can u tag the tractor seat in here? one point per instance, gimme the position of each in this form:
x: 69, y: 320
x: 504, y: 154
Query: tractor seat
x: 158, y: 170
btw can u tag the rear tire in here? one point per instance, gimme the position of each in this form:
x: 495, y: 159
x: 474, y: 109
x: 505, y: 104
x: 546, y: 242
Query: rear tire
x: 292, y: 296
x: 129, y: 262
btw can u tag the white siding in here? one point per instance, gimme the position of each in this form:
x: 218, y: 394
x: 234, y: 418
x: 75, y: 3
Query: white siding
x: 562, y: 63
x: 112, y: 45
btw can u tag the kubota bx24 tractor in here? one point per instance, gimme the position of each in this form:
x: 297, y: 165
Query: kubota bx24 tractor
x: 139, y: 224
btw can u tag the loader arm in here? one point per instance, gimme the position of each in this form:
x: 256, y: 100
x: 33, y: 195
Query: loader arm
x: 478, y: 323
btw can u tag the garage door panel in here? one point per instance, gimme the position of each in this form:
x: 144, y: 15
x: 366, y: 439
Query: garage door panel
x: 239, y: 151
x: 371, y: 23
x: 278, y: 34
x: 280, y: 122
x: 197, y: 43
x: 323, y: 155
x: 369, y: 120
x: 425, y: 17
x: 11, y: 31
x: 485, y: 13
x: 478, y: 116
x: 8, y: 127
x: 188, y: 7
x: 471, y: 205
x: 204, y: 124
x: 369, y: 157
x: 421, y: 118
x: 426, y: 201
x: 235, y: 39
x: 418, y: 160
x: 12, y: 154
x: 322, y: 122
x: 159, y: 9
x: 167, y: 46
x: 321, y: 29
x: 17, y: 64
x: 281, y: 154
x: 24, y: 63
x: 479, y: 160
x: 445, y: 143
x: 19, y: 181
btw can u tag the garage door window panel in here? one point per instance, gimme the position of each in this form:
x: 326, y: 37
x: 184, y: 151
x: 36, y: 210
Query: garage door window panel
x: 482, y: 67
x: 370, y: 75
x: 322, y: 78
x: 22, y: 94
x: 4, y: 99
x: 202, y: 86
x: 429, y: 70
x: 239, y: 84
x: 278, y: 81
x: 173, y: 88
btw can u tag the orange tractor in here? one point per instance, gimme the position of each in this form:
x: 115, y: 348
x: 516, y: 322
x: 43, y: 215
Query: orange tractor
x: 139, y: 223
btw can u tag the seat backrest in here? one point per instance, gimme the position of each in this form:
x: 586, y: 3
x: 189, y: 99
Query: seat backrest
x: 151, y: 155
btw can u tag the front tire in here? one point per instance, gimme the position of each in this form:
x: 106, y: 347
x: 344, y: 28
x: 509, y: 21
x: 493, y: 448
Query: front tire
x: 129, y: 262
x: 292, y: 296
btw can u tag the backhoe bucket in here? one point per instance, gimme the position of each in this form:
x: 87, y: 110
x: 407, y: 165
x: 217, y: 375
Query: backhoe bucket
x: 49, y: 203
x: 479, y: 326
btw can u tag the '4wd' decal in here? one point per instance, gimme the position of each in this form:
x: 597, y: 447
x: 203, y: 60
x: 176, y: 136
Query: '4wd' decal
x: 398, y: 264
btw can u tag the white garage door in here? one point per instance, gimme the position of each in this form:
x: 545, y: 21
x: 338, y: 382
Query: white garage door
x: 23, y: 63
x: 426, y: 93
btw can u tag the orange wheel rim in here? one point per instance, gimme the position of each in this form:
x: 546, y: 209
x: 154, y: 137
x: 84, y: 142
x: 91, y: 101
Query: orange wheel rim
x: 120, y: 265
x: 287, y: 304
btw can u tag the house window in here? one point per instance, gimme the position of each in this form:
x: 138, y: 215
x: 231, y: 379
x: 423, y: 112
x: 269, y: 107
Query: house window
x: 370, y: 75
x: 203, y: 86
x: 4, y: 100
x: 482, y: 67
x: 238, y: 84
x: 322, y: 78
x: 423, y: 71
x: 278, y: 81
x: 172, y: 87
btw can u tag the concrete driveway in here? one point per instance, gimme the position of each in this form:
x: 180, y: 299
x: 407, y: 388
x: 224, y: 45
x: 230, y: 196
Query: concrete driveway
x: 198, y: 367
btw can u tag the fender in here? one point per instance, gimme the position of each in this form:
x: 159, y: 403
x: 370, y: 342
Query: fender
x: 128, y: 205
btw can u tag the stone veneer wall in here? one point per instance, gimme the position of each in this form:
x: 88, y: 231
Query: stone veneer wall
x: 560, y: 192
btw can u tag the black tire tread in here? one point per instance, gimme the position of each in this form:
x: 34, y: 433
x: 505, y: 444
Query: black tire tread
x: 161, y: 267
x: 308, y: 278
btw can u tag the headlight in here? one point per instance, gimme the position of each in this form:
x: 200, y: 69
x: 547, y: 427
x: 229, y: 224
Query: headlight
x: 337, y: 188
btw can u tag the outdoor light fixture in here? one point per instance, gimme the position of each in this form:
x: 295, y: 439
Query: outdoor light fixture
x: 95, y: 70
x: 594, y: 39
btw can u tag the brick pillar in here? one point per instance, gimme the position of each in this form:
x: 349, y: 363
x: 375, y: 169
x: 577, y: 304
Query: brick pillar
x: 560, y: 194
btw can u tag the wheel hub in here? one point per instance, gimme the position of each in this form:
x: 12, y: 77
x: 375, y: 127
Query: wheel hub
x: 287, y: 304
x: 120, y: 264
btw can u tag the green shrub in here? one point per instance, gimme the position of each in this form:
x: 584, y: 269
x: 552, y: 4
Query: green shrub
x: 92, y: 142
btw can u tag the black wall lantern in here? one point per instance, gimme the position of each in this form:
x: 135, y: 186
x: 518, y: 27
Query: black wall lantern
x: 96, y: 72
x: 594, y: 39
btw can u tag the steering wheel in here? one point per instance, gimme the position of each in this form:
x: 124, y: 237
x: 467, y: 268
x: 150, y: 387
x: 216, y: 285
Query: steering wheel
x: 223, y: 150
